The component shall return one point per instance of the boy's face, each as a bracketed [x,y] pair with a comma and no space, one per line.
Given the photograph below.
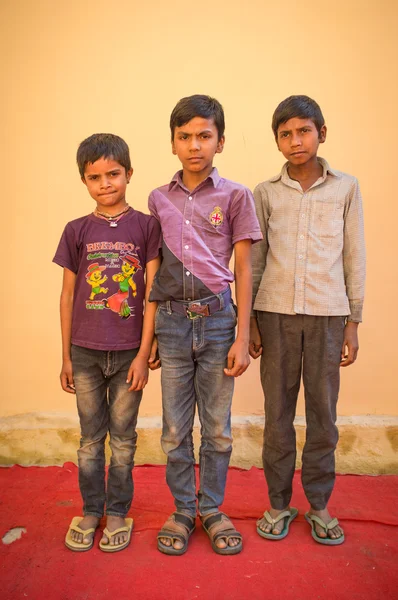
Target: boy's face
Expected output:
[195,143]
[298,140]
[106,181]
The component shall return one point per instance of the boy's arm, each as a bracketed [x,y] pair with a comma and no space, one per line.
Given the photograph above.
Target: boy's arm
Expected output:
[66,307]
[354,262]
[238,355]
[259,258]
[138,372]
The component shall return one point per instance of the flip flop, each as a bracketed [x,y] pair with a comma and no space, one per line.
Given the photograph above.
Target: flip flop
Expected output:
[116,548]
[75,546]
[328,541]
[287,515]
[218,526]
[178,527]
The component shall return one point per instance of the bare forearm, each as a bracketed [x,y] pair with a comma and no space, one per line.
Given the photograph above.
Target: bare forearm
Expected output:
[148,329]
[66,307]
[243,287]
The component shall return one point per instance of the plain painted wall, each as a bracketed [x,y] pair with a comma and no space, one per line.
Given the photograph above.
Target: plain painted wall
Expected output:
[76,68]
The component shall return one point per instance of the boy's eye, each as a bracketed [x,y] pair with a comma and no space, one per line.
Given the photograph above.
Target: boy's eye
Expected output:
[284,134]
[182,137]
[93,177]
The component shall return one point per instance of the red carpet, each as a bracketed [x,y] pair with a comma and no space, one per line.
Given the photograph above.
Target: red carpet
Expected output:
[44,500]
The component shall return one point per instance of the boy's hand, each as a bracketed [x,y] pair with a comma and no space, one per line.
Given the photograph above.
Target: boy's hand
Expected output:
[154,360]
[255,344]
[66,377]
[350,347]
[138,374]
[238,359]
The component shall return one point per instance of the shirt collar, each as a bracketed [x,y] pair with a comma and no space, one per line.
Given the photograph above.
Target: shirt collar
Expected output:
[214,177]
[284,175]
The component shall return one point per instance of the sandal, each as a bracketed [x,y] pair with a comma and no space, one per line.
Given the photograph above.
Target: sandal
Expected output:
[328,541]
[178,527]
[76,546]
[287,515]
[218,526]
[109,534]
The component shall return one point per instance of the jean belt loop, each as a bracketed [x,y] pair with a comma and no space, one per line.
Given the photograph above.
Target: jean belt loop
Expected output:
[221,299]
[168,307]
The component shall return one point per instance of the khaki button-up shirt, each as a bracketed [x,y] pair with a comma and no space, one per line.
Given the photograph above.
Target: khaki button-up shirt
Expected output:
[312,258]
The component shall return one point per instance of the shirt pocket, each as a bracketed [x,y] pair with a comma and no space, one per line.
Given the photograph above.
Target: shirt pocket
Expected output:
[327,217]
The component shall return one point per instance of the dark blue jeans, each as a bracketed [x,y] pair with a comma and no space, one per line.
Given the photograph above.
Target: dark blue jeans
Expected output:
[193,355]
[105,405]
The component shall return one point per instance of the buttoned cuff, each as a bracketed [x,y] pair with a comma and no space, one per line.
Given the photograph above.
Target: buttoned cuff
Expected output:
[356,307]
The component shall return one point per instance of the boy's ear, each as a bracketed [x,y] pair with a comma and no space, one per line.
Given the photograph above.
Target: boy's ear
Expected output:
[83,180]
[129,174]
[322,134]
[173,148]
[220,145]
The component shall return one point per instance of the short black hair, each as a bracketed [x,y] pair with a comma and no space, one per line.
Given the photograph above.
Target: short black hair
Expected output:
[102,145]
[198,105]
[300,107]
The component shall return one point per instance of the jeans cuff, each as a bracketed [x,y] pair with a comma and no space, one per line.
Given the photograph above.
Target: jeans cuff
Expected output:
[209,511]
[93,514]
[112,513]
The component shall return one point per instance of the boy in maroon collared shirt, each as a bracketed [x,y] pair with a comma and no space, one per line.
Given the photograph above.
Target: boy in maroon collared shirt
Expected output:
[203,218]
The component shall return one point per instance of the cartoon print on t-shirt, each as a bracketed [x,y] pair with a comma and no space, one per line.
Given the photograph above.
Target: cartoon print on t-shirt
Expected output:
[95,279]
[118,302]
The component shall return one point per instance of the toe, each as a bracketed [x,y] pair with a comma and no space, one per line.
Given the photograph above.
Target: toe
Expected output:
[178,545]
[104,540]
[165,541]
[221,543]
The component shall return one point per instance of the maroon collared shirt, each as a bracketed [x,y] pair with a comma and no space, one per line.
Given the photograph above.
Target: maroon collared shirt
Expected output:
[199,230]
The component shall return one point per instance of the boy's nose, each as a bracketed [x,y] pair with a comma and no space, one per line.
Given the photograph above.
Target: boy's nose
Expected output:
[296,140]
[104,182]
[194,145]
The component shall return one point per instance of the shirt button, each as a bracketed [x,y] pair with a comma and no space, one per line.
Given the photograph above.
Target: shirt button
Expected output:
[303,216]
[301,237]
[189,299]
[300,256]
[189,197]
[187,222]
[186,247]
[187,273]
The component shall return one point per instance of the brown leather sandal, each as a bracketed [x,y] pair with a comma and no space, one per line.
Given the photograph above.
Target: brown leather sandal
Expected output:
[178,526]
[218,526]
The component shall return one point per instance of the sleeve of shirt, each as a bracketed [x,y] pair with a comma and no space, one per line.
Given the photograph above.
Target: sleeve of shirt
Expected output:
[152,206]
[67,254]
[244,222]
[154,239]
[260,250]
[354,255]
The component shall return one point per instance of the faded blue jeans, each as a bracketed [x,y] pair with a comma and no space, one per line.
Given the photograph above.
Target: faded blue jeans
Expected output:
[105,405]
[193,354]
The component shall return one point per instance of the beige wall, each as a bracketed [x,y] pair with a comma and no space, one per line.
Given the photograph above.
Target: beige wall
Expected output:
[72,69]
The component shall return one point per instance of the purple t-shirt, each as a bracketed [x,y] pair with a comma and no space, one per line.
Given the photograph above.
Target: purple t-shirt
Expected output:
[200,229]
[109,263]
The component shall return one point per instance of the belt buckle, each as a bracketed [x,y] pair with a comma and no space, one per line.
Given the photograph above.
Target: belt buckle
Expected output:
[195,310]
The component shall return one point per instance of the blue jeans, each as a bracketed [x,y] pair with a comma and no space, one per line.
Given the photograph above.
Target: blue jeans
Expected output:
[193,355]
[105,405]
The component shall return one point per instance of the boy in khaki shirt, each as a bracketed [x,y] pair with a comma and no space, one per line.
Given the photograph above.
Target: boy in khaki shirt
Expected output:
[308,290]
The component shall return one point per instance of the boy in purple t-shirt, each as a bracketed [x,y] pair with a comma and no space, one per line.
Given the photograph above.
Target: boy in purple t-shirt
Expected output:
[106,338]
